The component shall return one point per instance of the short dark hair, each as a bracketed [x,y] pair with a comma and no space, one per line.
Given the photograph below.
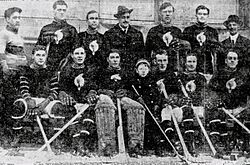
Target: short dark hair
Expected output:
[114,51]
[165,5]
[161,52]
[190,54]
[39,47]
[202,7]
[91,12]
[59,2]
[10,11]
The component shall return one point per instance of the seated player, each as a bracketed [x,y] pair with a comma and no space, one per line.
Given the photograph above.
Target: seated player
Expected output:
[76,85]
[231,86]
[146,86]
[111,81]
[38,90]
[195,85]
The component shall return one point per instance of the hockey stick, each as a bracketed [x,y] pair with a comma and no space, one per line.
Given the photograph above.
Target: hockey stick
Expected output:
[236,120]
[158,125]
[199,122]
[85,106]
[185,150]
[121,145]
[43,133]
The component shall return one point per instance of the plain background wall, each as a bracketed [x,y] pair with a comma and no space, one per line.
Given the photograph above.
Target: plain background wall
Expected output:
[37,13]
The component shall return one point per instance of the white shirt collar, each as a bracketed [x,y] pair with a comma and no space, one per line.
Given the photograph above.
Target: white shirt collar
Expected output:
[234,37]
[124,29]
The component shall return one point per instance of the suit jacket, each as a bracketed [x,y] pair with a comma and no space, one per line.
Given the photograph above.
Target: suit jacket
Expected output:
[241,47]
[130,44]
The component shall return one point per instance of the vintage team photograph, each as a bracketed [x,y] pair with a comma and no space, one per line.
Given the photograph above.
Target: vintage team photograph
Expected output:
[125,82]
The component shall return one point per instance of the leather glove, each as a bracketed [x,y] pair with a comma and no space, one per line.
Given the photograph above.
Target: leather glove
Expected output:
[48,37]
[175,44]
[186,101]
[121,93]
[31,111]
[66,99]
[31,103]
[107,92]
[40,107]
[92,97]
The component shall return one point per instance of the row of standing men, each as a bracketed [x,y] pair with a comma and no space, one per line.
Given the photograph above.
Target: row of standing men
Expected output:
[61,39]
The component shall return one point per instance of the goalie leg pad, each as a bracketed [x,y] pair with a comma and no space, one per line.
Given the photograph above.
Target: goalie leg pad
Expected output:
[135,114]
[105,123]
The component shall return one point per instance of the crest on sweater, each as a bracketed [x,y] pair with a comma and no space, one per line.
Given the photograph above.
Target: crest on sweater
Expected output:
[93,46]
[190,86]
[167,38]
[231,84]
[79,81]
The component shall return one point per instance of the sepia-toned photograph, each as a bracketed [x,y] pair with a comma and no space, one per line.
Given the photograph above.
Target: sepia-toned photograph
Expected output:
[125,82]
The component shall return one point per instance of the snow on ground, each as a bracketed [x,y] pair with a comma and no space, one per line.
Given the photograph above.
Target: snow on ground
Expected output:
[33,157]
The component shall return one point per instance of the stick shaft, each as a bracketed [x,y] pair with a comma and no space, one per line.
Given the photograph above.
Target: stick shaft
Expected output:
[43,133]
[185,150]
[236,120]
[199,122]
[177,128]
[206,135]
[121,144]
[158,125]
[65,126]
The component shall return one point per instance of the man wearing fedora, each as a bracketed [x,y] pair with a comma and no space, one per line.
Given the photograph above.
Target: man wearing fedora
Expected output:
[235,41]
[125,38]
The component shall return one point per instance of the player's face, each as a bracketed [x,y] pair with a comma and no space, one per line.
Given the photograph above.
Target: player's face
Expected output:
[93,20]
[14,20]
[233,28]
[79,55]
[124,20]
[162,61]
[142,70]
[167,14]
[191,63]
[40,57]
[202,16]
[60,12]
[114,60]
[232,60]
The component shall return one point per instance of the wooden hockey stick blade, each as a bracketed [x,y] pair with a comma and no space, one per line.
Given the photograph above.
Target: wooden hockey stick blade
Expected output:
[206,135]
[236,120]
[85,106]
[43,133]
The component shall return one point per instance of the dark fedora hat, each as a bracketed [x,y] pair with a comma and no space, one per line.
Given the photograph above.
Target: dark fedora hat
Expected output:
[122,10]
[233,18]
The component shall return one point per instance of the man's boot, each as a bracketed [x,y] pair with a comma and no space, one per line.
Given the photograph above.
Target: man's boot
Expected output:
[163,146]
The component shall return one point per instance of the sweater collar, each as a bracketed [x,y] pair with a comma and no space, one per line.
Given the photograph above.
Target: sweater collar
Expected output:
[77,66]
[12,29]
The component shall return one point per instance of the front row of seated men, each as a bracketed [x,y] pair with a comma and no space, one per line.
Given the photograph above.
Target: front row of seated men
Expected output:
[95,131]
